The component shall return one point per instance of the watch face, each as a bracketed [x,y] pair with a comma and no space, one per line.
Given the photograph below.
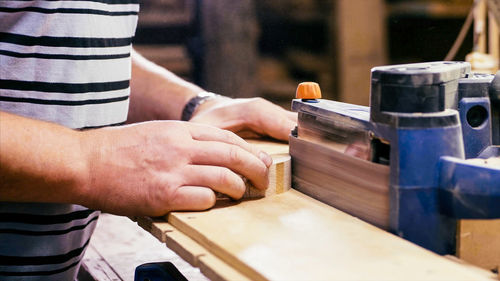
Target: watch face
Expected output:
[206,95]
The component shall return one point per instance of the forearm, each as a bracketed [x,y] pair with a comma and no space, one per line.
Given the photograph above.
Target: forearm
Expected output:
[40,161]
[156,93]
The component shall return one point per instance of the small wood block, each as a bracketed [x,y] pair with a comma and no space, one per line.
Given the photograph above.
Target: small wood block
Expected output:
[280,172]
[478,242]
[279,178]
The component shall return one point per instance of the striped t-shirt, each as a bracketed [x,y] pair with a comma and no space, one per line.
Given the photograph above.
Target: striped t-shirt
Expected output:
[66,62]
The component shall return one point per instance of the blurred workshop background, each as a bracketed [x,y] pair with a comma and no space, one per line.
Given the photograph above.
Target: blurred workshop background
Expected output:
[249,48]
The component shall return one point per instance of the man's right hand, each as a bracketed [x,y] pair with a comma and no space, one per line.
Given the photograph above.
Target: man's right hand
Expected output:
[156,167]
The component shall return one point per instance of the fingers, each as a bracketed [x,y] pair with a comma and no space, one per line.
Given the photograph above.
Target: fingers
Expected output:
[293,116]
[286,122]
[287,126]
[233,157]
[208,133]
[259,115]
[279,127]
[220,179]
[192,198]
[272,120]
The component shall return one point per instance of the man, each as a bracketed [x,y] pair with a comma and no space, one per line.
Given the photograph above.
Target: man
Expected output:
[67,70]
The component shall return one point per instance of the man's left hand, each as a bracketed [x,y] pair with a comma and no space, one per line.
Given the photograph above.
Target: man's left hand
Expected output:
[252,117]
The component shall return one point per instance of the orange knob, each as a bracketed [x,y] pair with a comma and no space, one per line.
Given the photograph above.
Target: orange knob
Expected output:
[308,91]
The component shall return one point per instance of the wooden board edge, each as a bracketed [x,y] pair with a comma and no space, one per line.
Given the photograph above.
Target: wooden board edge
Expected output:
[217,270]
[185,247]
[189,250]
[472,267]
[198,256]
[251,273]
[156,227]
[215,250]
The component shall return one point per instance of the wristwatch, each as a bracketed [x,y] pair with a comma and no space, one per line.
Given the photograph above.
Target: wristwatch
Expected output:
[192,104]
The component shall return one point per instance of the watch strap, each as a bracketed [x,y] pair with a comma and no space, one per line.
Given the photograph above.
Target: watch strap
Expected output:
[193,103]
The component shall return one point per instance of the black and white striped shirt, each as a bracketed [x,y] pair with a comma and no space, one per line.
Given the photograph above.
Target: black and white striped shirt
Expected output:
[66,62]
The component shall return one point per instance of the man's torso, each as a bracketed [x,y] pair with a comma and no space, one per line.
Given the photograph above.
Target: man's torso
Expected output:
[66,62]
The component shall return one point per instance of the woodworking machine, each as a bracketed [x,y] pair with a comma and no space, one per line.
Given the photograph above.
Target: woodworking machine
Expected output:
[422,156]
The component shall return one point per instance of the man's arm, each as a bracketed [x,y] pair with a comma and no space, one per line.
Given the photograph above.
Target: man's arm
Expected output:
[144,169]
[157,94]
[40,161]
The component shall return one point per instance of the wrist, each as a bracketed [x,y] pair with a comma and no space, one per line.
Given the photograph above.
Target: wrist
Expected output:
[87,191]
[193,105]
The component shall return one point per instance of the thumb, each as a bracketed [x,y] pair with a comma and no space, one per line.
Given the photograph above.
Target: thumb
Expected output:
[281,130]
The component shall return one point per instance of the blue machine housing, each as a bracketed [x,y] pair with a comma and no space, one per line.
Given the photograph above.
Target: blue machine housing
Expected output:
[434,116]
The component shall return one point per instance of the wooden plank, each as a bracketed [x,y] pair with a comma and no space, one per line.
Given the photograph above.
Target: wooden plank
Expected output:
[292,236]
[185,247]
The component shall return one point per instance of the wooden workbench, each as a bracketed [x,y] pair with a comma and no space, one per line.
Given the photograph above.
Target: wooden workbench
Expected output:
[290,236]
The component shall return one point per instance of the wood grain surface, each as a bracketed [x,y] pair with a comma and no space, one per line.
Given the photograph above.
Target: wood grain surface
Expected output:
[291,236]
